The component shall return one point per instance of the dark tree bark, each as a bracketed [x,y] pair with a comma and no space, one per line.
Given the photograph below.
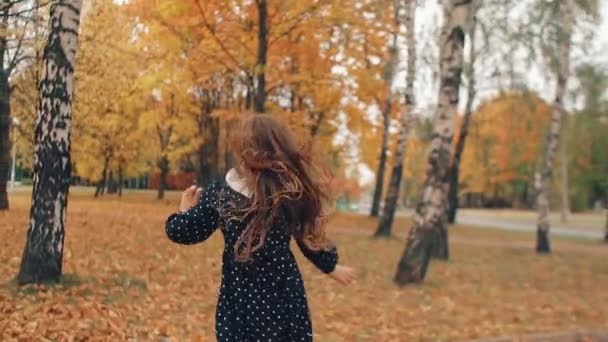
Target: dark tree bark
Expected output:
[43,252]
[430,210]
[102,184]
[112,185]
[120,179]
[386,113]
[5,112]
[454,172]
[163,166]
[394,186]
[209,129]
[260,68]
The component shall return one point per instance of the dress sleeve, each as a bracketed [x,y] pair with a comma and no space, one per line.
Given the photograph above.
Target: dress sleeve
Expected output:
[325,260]
[197,223]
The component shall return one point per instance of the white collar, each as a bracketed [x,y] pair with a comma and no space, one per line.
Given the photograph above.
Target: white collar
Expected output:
[237,183]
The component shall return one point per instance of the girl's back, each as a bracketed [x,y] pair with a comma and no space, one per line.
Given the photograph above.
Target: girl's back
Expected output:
[262,294]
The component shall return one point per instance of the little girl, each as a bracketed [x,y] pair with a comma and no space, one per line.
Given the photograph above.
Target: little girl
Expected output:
[268,199]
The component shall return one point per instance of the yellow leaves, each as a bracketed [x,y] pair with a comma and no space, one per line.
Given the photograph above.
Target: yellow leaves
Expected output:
[504,142]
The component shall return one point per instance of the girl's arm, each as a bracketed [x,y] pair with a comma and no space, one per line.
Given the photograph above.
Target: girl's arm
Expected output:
[324,260]
[197,219]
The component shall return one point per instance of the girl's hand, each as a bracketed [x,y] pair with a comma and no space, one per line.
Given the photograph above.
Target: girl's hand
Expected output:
[190,198]
[343,274]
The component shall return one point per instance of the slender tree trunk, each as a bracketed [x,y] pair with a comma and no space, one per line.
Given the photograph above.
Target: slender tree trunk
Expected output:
[565,212]
[389,75]
[102,184]
[390,202]
[543,179]
[112,186]
[454,172]
[5,111]
[163,165]
[386,114]
[260,94]
[43,252]
[430,210]
[120,180]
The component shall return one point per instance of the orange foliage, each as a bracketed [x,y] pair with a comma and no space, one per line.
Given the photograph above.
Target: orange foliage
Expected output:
[504,142]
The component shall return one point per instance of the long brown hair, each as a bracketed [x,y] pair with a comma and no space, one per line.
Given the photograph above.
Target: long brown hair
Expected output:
[279,175]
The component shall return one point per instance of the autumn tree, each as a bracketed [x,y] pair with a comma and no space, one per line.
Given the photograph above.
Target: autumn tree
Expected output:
[18,39]
[415,259]
[43,252]
[394,186]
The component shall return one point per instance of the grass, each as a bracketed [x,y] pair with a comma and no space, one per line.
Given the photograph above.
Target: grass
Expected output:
[125,280]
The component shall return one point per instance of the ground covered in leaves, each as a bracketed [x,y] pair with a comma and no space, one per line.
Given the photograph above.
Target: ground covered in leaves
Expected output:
[126,281]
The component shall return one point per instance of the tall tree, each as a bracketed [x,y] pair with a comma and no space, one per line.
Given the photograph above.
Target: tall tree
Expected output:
[260,68]
[431,208]
[390,69]
[394,186]
[463,132]
[17,45]
[43,252]
[543,177]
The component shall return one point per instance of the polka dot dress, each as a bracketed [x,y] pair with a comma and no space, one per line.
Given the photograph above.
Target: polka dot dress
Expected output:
[263,300]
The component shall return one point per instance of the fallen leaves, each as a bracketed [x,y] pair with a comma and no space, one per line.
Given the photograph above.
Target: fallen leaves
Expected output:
[126,281]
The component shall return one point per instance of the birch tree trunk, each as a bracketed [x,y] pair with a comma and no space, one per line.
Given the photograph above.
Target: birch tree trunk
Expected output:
[260,92]
[390,201]
[454,172]
[43,252]
[543,179]
[389,75]
[430,210]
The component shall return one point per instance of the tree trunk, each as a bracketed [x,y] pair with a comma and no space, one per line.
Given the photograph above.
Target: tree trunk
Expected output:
[430,210]
[112,186]
[5,114]
[382,161]
[163,165]
[565,212]
[102,184]
[120,180]
[454,172]
[543,179]
[390,202]
[606,223]
[43,252]
[260,68]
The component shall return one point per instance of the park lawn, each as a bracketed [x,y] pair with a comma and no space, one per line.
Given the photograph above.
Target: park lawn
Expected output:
[127,281]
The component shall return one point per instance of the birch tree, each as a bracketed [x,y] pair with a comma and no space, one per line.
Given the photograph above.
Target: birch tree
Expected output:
[43,252]
[390,202]
[18,39]
[390,70]
[466,119]
[414,262]
[564,29]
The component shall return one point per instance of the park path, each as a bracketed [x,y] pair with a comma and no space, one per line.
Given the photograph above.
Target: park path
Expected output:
[568,246]
[585,226]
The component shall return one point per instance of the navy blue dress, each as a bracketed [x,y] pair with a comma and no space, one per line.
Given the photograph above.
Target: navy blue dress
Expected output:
[262,300]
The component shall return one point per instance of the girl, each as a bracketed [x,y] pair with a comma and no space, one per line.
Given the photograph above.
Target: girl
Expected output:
[268,199]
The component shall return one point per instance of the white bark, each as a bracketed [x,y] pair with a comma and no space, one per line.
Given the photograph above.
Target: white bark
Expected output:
[429,212]
[42,257]
[544,177]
